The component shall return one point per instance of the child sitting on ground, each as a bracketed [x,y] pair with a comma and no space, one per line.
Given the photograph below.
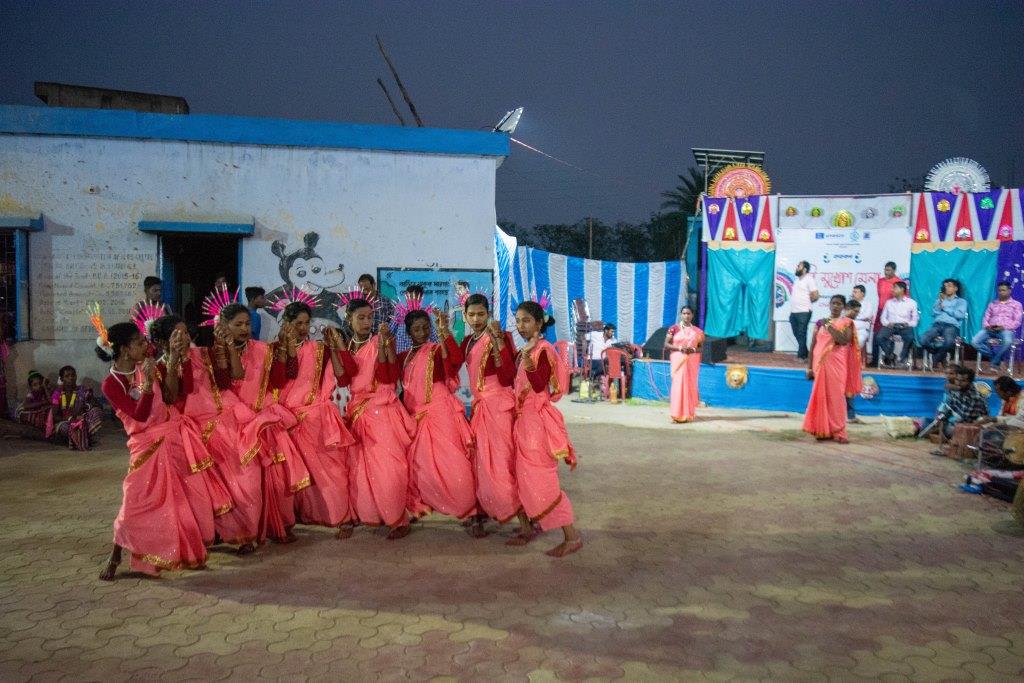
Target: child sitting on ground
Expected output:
[34,410]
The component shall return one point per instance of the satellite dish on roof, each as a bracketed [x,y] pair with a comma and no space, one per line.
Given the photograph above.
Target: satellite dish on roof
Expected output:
[509,121]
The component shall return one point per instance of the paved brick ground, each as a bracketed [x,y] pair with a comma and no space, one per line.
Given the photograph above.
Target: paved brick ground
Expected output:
[732,548]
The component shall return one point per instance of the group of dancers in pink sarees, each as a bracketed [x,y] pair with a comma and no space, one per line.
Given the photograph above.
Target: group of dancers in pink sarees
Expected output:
[835,367]
[240,442]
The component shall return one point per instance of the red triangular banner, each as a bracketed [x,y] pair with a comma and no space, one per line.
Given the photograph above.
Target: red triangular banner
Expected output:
[764,230]
[1005,231]
[922,233]
[963,231]
[730,230]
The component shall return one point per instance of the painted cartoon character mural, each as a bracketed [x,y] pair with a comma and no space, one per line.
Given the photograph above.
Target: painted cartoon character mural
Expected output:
[307,270]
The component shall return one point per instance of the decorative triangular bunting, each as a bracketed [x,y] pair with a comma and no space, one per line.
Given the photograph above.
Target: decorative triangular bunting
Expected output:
[922,231]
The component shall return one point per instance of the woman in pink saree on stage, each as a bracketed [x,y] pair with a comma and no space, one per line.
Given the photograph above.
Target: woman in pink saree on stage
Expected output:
[441,466]
[684,341]
[835,369]
[541,440]
[216,413]
[256,380]
[490,361]
[156,523]
[379,466]
[313,370]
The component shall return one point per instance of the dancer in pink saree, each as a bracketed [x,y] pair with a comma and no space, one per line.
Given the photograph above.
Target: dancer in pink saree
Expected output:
[256,380]
[379,466]
[156,522]
[540,436]
[441,466]
[684,341]
[217,414]
[490,360]
[313,369]
[835,369]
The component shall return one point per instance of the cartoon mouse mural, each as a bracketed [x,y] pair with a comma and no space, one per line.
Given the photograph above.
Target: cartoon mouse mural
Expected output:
[307,270]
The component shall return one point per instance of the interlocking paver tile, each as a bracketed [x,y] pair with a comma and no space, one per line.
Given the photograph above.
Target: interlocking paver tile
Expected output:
[867,558]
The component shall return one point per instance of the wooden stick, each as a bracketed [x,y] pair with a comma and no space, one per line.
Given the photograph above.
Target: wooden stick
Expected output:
[401,88]
[390,101]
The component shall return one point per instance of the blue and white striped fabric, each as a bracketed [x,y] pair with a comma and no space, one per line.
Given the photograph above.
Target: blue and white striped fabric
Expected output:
[638,297]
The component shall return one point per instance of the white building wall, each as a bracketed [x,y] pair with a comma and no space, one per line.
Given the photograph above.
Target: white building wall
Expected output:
[369,209]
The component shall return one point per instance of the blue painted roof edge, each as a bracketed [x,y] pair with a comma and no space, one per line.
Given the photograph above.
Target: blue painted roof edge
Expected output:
[116,123]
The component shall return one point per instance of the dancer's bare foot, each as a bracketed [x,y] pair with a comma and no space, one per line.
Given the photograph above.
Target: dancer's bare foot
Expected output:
[842,440]
[398,532]
[344,531]
[108,572]
[477,530]
[565,548]
[246,549]
[521,538]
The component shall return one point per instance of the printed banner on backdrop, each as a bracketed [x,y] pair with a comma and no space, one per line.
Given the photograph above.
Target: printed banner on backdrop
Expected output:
[863,213]
[840,258]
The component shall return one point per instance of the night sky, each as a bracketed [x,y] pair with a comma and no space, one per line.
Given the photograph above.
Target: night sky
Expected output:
[843,97]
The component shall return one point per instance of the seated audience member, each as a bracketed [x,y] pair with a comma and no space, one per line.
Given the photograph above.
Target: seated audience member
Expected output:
[598,342]
[1009,421]
[34,410]
[865,320]
[75,416]
[1002,318]
[964,405]
[950,310]
[899,317]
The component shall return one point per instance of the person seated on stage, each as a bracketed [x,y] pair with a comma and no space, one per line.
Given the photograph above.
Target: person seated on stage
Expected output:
[598,342]
[1002,318]
[950,310]
[885,284]
[899,317]
[1009,422]
[865,320]
[963,405]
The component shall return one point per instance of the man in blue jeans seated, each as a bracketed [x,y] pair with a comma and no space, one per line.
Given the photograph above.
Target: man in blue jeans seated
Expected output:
[1002,318]
[950,310]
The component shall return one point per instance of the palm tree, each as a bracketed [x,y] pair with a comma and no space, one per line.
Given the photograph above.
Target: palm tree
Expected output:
[682,202]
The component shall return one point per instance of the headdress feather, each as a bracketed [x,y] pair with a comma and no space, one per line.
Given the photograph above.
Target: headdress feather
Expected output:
[144,314]
[215,302]
[293,295]
[96,318]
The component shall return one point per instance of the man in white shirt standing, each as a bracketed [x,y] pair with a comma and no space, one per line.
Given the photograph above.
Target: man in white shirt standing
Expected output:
[899,317]
[598,342]
[805,293]
[865,320]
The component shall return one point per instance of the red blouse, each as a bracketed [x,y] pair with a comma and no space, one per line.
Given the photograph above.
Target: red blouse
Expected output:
[443,369]
[113,389]
[507,372]
[540,375]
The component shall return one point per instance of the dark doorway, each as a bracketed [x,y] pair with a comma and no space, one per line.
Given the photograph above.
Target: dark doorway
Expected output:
[191,264]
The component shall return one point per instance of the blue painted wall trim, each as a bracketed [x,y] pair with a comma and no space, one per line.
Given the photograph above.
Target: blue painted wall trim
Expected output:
[21,223]
[114,123]
[916,395]
[241,229]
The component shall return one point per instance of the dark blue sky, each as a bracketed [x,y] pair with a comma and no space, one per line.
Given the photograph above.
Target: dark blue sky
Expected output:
[843,97]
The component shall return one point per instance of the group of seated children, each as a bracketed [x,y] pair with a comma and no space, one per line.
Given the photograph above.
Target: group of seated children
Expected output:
[68,414]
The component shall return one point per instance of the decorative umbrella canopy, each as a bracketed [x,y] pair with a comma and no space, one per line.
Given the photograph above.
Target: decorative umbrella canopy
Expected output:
[957,175]
[740,180]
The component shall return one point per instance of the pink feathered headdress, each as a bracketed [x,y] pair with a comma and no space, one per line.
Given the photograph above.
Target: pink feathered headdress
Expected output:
[352,295]
[294,295]
[215,302]
[413,302]
[144,314]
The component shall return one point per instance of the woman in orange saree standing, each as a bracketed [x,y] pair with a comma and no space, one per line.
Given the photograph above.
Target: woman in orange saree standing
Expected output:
[313,369]
[684,341]
[441,467]
[541,440]
[156,522]
[256,380]
[835,369]
[490,361]
[379,463]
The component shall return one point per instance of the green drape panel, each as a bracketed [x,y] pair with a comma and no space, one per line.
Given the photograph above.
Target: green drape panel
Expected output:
[739,292]
[976,271]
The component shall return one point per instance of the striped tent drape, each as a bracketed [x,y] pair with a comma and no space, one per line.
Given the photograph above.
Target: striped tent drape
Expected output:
[638,298]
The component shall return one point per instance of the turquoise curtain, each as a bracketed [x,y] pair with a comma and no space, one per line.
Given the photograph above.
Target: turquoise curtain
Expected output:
[976,271]
[739,293]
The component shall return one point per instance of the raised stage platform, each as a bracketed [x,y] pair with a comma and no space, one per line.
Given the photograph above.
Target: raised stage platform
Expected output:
[777,381]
